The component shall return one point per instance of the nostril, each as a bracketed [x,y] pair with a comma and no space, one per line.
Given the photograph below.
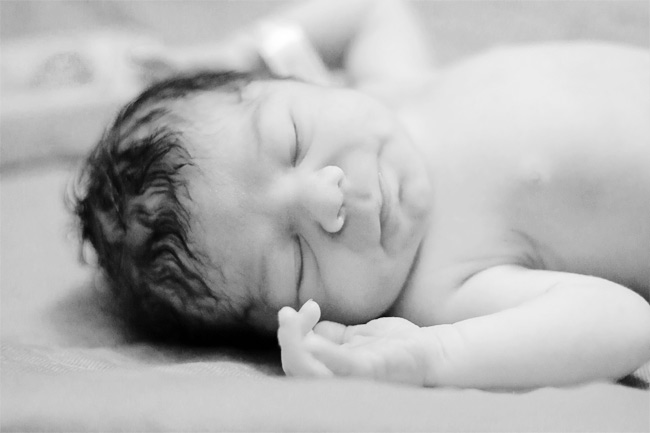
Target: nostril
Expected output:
[340,181]
[335,225]
[341,215]
[326,200]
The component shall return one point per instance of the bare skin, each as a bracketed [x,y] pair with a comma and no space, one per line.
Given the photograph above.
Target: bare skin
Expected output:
[551,172]
[531,262]
[537,250]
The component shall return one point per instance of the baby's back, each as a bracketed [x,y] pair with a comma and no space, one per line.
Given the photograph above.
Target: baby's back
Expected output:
[541,157]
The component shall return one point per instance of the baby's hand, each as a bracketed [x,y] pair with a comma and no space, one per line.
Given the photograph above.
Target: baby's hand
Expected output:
[390,349]
[296,327]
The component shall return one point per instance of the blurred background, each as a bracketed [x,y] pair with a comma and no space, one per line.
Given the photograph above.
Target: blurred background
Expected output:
[64,74]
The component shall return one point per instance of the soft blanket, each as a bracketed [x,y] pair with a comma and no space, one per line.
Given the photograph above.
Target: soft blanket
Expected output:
[68,366]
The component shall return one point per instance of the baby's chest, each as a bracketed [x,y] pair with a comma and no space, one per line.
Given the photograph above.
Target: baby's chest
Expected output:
[542,218]
[546,171]
[579,208]
[548,175]
[587,213]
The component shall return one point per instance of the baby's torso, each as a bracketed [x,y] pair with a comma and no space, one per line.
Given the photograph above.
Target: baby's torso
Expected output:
[540,157]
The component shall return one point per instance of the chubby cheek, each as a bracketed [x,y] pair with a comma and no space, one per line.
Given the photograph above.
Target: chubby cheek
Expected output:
[353,297]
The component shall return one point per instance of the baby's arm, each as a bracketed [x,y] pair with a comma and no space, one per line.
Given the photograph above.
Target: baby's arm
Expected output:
[376,42]
[574,329]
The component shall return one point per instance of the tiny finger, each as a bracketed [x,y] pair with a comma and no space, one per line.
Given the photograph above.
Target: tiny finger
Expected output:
[338,359]
[310,314]
[335,332]
[289,332]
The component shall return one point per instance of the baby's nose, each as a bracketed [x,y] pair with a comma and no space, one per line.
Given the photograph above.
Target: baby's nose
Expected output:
[324,198]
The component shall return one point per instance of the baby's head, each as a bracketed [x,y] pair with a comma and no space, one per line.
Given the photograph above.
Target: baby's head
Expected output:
[215,199]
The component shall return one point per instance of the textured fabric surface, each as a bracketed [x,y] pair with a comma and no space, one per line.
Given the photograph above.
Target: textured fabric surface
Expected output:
[56,360]
[67,367]
[226,363]
[155,400]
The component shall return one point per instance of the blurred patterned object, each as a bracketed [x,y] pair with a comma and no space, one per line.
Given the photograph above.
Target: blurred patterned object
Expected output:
[58,92]
[40,72]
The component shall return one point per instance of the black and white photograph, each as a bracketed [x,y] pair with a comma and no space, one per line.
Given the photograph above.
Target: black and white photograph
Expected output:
[325,215]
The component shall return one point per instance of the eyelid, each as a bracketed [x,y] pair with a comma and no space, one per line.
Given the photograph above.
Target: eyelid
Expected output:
[296,148]
[301,264]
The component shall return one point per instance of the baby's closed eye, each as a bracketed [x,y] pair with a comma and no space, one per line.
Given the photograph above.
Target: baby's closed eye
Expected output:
[299,262]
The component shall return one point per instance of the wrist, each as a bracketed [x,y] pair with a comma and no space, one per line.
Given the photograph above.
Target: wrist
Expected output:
[287,52]
[436,354]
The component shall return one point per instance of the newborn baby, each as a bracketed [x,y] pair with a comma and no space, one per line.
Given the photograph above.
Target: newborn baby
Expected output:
[486,225]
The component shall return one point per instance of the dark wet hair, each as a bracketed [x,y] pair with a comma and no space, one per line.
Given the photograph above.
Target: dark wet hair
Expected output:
[129,202]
